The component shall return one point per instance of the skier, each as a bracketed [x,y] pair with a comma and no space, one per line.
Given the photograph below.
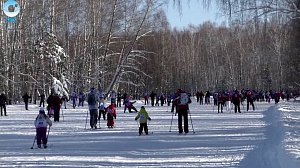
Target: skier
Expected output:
[54,102]
[201,97]
[41,123]
[80,99]
[250,100]
[143,116]
[130,106]
[3,101]
[74,98]
[220,101]
[113,96]
[152,96]
[111,115]
[26,98]
[102,110]
[236,100]
[119,97]
[180,103]
[93,107]
[42,96]
[64,100]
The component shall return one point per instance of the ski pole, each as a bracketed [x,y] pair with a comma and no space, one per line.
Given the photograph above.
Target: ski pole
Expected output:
[87,113]
[171,122]
[62,113]
[33,142]
[48,134]
[191,121]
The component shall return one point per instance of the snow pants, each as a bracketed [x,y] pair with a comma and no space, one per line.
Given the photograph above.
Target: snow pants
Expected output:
[250,102]
[183,114]
[56,113]
[143,126]
[93,117]
[41,136]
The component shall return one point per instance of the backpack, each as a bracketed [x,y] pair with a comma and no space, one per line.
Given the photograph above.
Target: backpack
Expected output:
[40,122]
[183,99]
[92,99]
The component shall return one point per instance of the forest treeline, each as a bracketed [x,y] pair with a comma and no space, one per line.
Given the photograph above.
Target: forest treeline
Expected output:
[128,45]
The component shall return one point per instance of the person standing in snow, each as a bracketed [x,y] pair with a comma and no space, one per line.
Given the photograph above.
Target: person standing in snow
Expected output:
[80,99]
[102,110]
[26,98]
[113,96]
[236,100]
[181,105]
[74,98]
[143,117]
[3,101]
[250,99]
[54,102]
[111,115]
[41,123]
[119,98]
[93,107]
[42,96]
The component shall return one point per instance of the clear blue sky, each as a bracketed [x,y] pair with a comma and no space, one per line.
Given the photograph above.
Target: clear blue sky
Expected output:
[192,13]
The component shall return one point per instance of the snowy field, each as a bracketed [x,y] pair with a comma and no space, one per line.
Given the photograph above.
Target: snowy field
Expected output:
[266,138]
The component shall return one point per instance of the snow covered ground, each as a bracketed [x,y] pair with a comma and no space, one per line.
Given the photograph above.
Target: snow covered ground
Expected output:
[267,138]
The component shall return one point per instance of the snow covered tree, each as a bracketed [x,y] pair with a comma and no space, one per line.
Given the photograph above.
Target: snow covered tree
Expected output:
[53,59]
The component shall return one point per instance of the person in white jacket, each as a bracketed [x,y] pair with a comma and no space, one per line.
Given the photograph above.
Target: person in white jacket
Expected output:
[41,123]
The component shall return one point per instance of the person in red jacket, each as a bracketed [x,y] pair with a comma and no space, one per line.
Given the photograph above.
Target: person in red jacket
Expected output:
[111,115]
[181,104]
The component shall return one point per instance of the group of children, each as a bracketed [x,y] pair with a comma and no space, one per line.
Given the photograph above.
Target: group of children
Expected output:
[42,122]
[110,112]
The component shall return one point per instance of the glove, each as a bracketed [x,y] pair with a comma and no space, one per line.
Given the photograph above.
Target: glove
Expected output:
[149,119]
[135,119]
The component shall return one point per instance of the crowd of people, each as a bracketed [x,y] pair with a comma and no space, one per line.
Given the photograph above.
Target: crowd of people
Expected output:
[179,101]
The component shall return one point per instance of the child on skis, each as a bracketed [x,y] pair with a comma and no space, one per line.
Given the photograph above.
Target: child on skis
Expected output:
[102,111]
[111,115]
[41,123]
[143,116]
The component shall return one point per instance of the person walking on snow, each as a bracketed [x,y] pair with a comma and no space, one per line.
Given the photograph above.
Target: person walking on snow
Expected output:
[181,105]
[41,123]
[143,117]
[93,107]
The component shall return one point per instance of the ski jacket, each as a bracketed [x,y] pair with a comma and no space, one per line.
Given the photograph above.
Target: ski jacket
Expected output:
[3,99]
[178,105]
[143,116]
[93,106]
[111,110]
[42,121]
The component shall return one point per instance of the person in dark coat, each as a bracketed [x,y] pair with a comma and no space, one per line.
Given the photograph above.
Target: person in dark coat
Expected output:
[42,96]
[181,105]
[3,101]
[54,102]
[26,98]
[250,99]
[152,96]
[236,100]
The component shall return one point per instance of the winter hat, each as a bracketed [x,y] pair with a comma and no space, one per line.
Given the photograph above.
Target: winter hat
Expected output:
[142,107]
[42,111]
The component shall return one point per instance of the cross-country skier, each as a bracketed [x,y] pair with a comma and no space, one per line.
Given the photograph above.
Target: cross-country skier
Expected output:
[41,123]
[93,107]
[111,115]
[181,104]
[143,117]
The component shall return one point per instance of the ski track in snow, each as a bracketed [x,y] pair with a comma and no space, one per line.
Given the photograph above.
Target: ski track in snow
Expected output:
[267,137]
